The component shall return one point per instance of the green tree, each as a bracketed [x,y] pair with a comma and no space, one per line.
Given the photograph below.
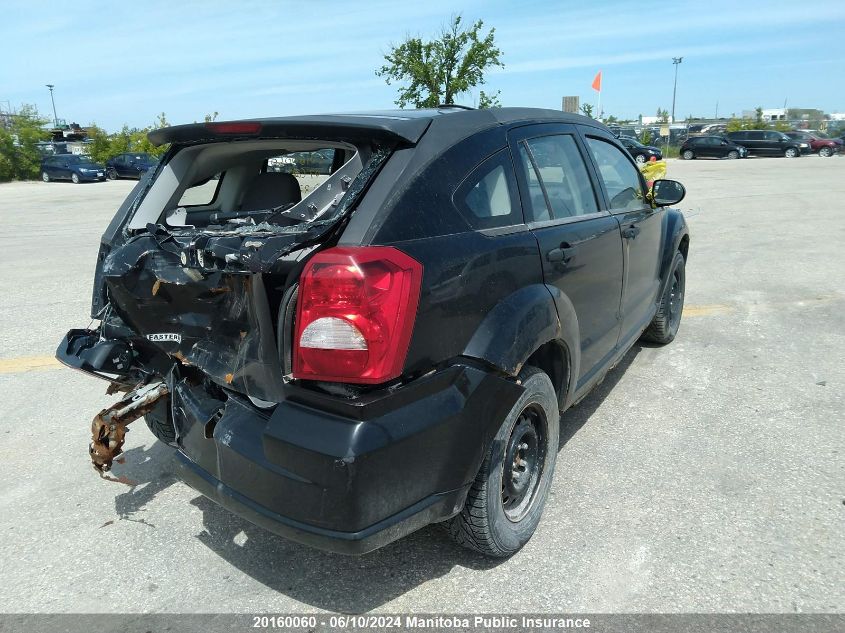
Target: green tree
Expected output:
[489,100]
[20,158]
[662,115]
[438,70]
[587,109]
[99,149]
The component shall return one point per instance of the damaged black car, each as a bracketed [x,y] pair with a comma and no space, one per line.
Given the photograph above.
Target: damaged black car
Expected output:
[352,326]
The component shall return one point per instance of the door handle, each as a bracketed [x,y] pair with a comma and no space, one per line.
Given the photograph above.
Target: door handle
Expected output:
[564,254]
[631,232]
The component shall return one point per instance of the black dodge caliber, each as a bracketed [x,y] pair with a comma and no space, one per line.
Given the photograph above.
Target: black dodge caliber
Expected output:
[347,353]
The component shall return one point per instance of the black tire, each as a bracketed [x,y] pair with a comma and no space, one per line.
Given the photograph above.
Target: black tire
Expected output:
[688,154]
[111,174]
[792,152]
[74,178]
[733,154]
[160,422]
[664,326]
[45,177]
[826,152]
[498,519]
[641,159]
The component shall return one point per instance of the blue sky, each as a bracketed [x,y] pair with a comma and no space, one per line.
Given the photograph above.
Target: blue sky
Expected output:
[124,62]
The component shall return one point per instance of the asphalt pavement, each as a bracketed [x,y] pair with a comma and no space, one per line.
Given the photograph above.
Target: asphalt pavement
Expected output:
[706,476]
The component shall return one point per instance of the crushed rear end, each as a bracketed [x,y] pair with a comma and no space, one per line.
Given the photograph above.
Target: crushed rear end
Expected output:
[195,292]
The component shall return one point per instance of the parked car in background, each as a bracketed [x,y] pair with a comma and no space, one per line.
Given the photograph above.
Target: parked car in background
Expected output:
[819,144]
[711,147]
[769,143]
[394,348]
[130,165]
[639,152]
[71,167]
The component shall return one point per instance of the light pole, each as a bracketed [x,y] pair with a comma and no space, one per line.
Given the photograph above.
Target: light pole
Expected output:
[677,62]
[53,101]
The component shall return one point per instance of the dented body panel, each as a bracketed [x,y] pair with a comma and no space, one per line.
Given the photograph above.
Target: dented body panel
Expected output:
[197,304]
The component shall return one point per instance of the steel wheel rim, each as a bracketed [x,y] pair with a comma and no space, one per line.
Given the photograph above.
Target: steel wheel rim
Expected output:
[523,462]
[676,300]
[688,155]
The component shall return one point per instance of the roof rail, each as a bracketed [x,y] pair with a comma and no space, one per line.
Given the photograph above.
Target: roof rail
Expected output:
[454,105]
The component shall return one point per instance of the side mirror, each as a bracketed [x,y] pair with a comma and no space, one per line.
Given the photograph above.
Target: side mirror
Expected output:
[667,192]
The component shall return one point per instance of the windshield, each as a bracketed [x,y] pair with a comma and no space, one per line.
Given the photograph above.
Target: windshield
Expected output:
[632,142]
[79,160]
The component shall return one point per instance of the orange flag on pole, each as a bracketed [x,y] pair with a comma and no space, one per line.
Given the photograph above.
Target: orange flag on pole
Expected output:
[597,82]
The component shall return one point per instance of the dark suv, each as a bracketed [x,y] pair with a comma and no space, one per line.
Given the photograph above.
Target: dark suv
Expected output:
[769,143]
[393,345]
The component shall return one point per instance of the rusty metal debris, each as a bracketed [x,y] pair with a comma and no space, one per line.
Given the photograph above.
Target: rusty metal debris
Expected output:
[108,430]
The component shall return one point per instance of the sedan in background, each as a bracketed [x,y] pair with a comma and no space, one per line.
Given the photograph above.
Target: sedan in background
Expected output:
[71,167]
[640,153]
[130,165]
[819,144]
[711,147]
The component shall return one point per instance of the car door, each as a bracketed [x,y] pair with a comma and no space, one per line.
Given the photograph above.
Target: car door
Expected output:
[580,246]
[624,193]
[63,168]
[120,165]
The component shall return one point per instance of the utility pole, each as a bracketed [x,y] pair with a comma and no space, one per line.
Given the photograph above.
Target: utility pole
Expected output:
[677,62]
[53,101]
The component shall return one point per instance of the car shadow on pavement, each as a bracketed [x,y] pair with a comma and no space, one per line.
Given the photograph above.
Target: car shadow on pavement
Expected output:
[577,416]
[146,470]
[355,585]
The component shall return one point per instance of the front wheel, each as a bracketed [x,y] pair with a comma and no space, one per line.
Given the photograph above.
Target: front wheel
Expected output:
[664,326]
[826,152]
[111,174]
[506,500]
[791,152]
[641,159]
[74,178]
[733,154]
[688,154]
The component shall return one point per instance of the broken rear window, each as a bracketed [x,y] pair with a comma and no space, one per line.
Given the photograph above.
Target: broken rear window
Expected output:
[270,183]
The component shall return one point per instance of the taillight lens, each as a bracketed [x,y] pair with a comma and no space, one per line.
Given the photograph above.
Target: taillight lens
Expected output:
[355,314]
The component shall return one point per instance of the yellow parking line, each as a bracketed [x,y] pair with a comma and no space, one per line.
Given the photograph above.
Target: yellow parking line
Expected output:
[27,363]
[694,311]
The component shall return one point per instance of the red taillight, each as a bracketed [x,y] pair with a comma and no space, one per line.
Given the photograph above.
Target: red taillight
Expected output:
[235,127]
[355,314]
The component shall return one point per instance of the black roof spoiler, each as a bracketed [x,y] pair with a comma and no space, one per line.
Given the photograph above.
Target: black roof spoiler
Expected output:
[354,128]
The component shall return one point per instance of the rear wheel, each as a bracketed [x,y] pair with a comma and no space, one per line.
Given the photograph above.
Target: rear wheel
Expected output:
[74,178]
[733,154]
[688,154]
[791,152]
[664,326]
[112,174]
[45,177]
[506,500]
[827,152]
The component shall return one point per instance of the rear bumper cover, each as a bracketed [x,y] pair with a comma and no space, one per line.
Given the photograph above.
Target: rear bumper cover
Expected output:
[345,475]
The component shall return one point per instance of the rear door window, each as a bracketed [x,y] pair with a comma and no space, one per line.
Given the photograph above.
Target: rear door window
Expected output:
[621,178]
[487,198]
[558,183]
